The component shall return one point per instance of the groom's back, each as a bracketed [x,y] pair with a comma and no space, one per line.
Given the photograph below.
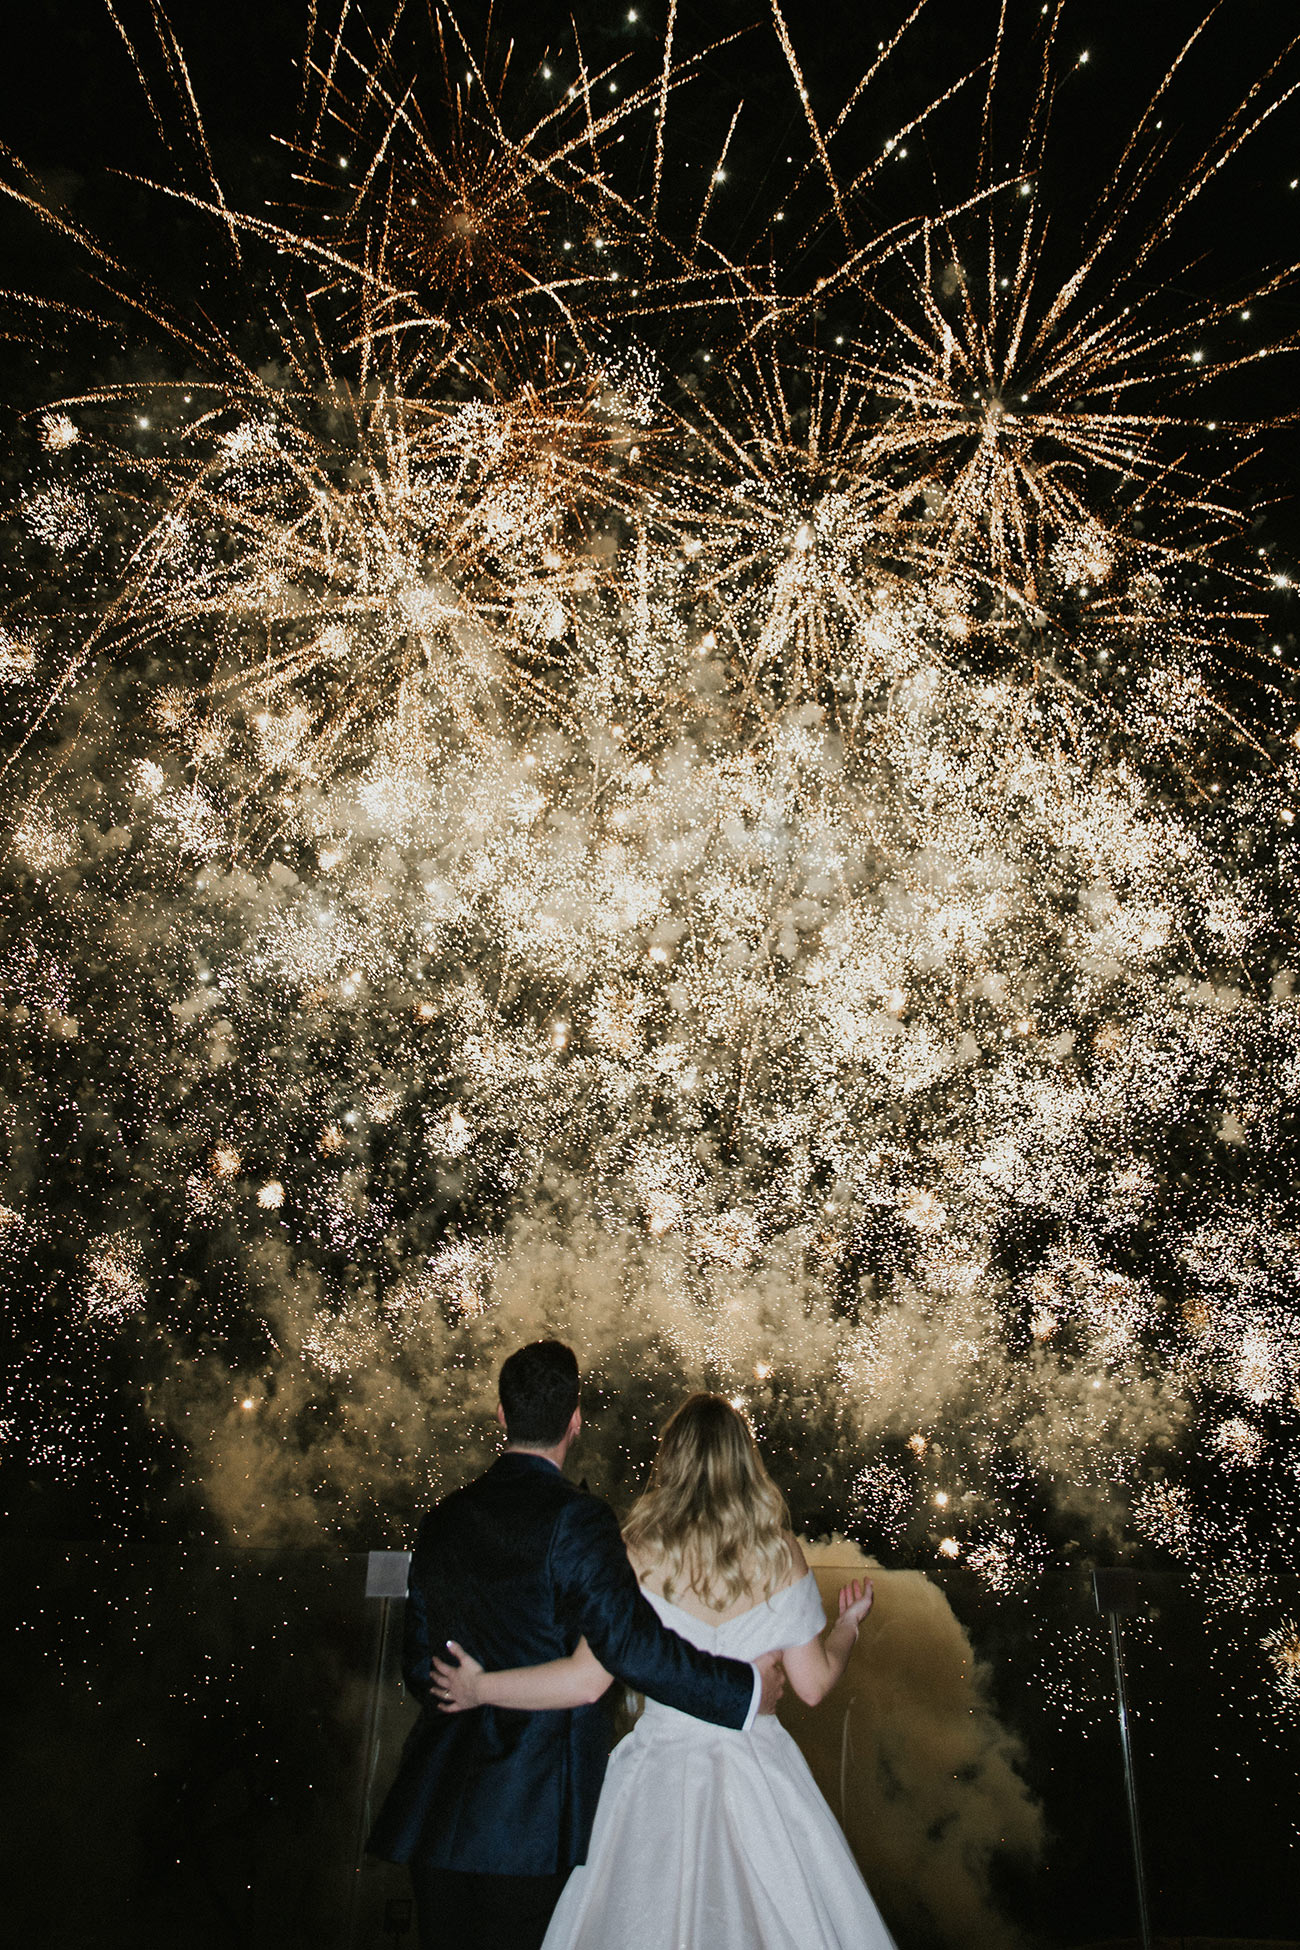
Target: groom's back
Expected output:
[480,1567]
[495,1791]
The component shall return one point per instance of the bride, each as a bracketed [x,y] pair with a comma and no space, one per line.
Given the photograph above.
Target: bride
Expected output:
[707,1839]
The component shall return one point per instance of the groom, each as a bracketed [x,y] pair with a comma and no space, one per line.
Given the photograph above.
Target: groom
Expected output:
[491,1809]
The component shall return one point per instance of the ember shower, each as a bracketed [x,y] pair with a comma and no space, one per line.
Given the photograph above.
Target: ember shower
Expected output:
[726,793]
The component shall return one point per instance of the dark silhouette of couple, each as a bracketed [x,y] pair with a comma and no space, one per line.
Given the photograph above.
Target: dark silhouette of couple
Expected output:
[705,1830]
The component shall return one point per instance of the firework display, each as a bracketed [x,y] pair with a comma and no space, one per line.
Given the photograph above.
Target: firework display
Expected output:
[725,788]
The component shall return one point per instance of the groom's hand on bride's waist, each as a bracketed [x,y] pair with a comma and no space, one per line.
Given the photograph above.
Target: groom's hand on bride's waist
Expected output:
[772,1674]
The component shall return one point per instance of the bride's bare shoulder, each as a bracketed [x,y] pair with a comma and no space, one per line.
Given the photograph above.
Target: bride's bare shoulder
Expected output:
[798,1562]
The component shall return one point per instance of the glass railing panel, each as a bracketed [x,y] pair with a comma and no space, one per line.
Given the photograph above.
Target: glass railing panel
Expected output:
[196,1741]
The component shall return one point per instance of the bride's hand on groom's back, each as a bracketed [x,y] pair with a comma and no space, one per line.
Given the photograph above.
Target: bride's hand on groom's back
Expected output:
[455,1685]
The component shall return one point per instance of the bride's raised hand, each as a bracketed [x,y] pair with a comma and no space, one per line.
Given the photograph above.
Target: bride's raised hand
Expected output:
[455,1687]
[855,1601]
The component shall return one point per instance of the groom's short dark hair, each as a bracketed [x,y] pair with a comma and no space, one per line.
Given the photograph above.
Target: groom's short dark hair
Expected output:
[539,1392]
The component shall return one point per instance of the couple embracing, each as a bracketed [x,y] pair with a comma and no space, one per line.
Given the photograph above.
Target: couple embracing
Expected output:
[706,1830]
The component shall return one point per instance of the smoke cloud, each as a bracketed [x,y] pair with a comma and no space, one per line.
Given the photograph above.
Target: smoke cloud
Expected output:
[912,1757]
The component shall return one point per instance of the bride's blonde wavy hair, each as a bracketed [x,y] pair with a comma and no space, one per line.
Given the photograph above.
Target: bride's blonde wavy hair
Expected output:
[711,1516]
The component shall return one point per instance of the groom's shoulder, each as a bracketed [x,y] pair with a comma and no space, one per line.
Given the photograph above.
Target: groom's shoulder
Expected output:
[581,1514]
[512,1484]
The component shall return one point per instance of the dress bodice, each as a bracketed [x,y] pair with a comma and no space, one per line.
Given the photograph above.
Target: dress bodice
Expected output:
[791,1617]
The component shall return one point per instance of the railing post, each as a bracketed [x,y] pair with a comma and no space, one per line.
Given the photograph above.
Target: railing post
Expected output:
[386,1573]
[1116,1595]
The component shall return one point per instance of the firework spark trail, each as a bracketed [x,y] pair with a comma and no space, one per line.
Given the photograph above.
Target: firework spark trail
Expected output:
[540,830]
[661,113]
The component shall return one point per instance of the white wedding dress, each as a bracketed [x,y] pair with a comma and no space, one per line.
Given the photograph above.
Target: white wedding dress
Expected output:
[709,1839]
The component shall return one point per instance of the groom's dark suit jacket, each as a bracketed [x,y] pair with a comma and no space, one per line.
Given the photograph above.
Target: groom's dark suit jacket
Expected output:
[517,1567]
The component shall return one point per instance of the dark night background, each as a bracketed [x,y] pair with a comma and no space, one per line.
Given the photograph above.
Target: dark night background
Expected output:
[196,1735]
